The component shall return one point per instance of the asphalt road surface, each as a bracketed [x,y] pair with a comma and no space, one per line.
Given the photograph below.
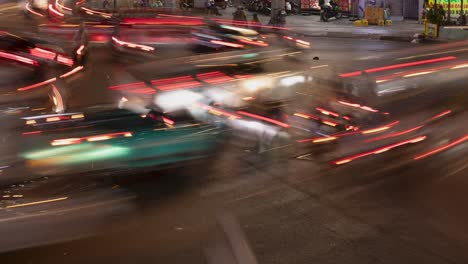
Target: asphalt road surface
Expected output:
[242,208]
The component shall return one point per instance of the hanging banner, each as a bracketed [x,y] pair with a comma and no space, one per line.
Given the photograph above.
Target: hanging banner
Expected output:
[455,6]
[344,5]
[310,4]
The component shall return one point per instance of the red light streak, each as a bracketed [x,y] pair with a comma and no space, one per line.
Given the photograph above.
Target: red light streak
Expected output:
[54,11]
[227,44]
[244,23]
[329,123]
[75,70]
[46,54]
[214,77]
[144,91]
[31,133]
[396,134]
[441,114]
[37,85]
[380,129]
[79,51]
[182,82]
[379,150]
[327,112]
[164,21]
[65,60]
[398,66]
[442,148]
[276,122]
[168,121]
[62,6]
[127,86]
[253,42]
[306,116]
[28,7]
[18,58]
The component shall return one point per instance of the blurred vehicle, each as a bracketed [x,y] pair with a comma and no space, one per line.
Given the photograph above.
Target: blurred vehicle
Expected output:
[34,71]
[109,140]
[330,10]
[220,36]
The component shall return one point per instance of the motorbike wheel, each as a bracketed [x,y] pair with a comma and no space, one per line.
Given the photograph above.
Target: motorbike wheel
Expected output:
[324,15]
[339,15]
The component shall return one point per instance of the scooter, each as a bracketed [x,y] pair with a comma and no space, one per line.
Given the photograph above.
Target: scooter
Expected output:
[329,11]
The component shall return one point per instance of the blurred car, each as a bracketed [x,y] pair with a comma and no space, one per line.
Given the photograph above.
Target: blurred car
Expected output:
[33,71]
[112,140]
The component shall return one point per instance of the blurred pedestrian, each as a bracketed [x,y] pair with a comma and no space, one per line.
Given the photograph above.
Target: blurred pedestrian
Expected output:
[240,14]
[255,22]
[288,8]
[105,4]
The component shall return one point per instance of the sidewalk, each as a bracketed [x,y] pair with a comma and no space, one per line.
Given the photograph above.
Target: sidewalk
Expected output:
[343,28]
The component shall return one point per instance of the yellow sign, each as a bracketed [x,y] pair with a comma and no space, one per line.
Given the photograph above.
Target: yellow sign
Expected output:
[455,5]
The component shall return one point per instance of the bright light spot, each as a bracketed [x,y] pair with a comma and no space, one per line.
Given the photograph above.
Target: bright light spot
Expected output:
[289,81]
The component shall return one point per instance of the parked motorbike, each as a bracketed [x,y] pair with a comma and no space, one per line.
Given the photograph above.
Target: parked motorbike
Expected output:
[329,11]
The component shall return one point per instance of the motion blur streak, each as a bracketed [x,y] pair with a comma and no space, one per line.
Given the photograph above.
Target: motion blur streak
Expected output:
[217,111]
[323,139]
[31,133]
[18,58]
[379,150]
[28,7]
[46,54]
[396,134]
[244,23]
[72,141]
[38,202]
[79,51]
[306,116]
[380,129]
[256,43]
[165,21]
[37,85]
[57,3]
[276,122]
[75,70]
[442,148]
[227,44]
[132,45]
[54,11]
[93,12]
[366,108]
[327,112]
[441,115]
[397,66]
[128,86]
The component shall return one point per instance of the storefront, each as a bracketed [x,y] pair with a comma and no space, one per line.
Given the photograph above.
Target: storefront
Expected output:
[455,6]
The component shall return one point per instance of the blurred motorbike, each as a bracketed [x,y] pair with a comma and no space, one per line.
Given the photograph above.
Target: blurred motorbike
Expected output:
[330,10]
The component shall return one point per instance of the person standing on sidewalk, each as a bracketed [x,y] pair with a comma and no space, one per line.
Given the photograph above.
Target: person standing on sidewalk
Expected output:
[240,15]
[288,7]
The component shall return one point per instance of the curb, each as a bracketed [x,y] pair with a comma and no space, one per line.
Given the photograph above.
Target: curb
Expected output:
[356,36]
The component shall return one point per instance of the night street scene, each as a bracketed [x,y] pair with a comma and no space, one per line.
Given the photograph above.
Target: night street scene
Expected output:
[233,131]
